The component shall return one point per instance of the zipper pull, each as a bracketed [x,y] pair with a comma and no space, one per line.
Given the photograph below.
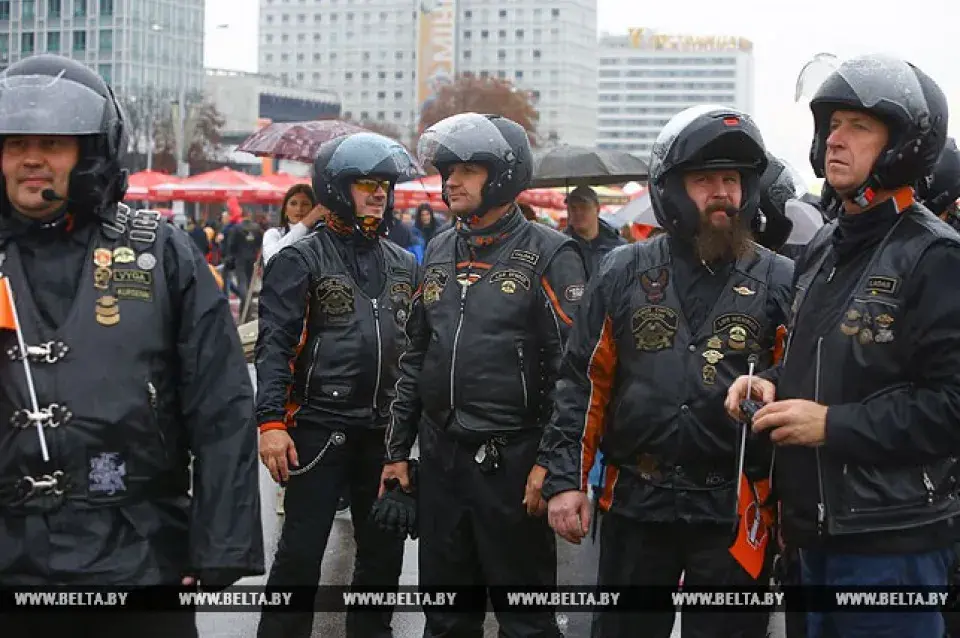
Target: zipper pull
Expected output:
[821,515]
[152,391]
[463,296]
[376,309]
[833,271]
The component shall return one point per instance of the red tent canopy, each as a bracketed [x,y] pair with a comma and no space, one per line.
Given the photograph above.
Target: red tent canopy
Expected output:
[218,186]
[139,184]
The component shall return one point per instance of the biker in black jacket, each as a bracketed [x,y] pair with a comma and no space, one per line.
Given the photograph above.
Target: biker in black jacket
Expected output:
[485,337]
[940,190]
[865,405]
[663,329]
[332,312]
[133,365]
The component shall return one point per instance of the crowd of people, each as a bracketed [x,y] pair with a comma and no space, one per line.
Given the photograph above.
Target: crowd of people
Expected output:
[736,401]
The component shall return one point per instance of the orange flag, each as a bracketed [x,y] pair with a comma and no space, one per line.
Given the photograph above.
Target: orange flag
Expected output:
[753,531]
[6,306]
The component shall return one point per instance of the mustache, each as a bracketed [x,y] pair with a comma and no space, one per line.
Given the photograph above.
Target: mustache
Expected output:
[729,209]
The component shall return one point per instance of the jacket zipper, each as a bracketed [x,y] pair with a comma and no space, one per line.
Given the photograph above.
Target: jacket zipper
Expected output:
[376,322]
[927,483]
[822,505]
[313,363]
[523,375]
[152,396]
[456,341]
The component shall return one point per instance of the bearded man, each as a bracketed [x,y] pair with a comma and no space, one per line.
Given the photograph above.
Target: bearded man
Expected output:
[663,329]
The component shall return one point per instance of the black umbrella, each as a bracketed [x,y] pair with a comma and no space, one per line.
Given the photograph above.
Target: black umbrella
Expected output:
[582,166]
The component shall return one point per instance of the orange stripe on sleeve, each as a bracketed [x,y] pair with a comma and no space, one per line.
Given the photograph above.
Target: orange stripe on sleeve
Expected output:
[556,302]
[600,371]
[292,406]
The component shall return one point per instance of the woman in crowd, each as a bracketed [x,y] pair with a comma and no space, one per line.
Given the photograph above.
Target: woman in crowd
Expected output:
[298,215]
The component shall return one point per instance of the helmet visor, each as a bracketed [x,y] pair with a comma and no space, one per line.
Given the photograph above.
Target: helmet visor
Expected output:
[880,81]
[45,105]
[372,154]
[467,137]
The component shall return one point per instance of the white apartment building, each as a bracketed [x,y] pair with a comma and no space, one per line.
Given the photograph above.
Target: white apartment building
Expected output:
[645,78]
[365,51]
[132,43]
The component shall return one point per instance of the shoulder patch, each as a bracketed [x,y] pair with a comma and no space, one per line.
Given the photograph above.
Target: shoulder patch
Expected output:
[525,256]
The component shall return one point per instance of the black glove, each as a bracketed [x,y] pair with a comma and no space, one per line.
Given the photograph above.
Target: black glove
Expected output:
[396,511]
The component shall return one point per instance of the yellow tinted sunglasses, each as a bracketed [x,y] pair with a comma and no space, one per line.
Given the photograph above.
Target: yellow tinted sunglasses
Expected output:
[370,186]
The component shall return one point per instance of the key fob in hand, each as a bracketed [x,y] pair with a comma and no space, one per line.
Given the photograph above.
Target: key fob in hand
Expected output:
[749,407]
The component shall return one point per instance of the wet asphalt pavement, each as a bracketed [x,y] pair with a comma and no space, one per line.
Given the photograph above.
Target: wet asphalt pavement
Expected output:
[576,565]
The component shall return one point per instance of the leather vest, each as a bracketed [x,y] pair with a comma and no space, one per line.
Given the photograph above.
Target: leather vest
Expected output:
[483,363]
[667,426]
[105,385]
[348,365]
[864,356]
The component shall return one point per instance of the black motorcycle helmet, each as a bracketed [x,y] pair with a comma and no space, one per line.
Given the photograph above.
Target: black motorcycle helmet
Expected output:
[779,184]
[344,159]
[904,98]
[940,190]
[698,138]
[52,95]
[497,143]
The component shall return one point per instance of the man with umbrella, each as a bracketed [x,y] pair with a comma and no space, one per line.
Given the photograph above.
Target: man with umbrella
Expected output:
[664,327]
[332,313]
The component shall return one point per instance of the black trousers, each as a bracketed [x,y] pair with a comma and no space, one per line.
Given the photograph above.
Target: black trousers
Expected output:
[99,625]
[311,505]
[634,553]
[474,531]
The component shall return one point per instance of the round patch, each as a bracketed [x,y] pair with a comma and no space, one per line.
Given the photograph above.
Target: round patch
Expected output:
[574,292]
[401,315]
[146,261]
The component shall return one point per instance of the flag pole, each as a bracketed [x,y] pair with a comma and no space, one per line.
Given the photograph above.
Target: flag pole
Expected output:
[26,368]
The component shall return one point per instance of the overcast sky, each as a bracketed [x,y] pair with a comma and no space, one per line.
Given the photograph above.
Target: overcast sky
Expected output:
[926,32]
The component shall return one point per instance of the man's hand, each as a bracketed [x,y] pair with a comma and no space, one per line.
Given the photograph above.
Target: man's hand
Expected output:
[760,390]
[532,496]
[569,515]
[793,422]
[399,470]
[317,214]
[278,453]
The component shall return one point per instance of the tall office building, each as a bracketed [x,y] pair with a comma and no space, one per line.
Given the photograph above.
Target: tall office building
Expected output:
[366,51]
[645,78]
[134,44]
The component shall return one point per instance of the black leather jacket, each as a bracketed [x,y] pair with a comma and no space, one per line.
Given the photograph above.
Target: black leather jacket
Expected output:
[341,343]
[875,336]
[647,388]
[482,358]
[145,369]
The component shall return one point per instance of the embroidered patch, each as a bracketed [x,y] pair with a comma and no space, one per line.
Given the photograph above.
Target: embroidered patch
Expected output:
[434,281]
[573,293]
[141,277]
[525,256]
[124,255]
[136,294]
[656,288]
[654,328]
[514,276]
[402,289]
[335,297]
[107,473]
[885,285]
[724,323]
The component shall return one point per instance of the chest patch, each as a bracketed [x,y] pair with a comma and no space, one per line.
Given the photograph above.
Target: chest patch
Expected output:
[510,281]
[654,328]
[335,297]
